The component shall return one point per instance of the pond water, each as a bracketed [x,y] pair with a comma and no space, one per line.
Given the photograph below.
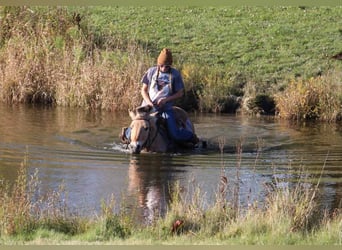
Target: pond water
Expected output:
[82,150]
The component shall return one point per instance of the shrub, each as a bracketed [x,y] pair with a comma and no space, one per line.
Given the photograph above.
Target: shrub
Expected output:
[112,225]
[313,99]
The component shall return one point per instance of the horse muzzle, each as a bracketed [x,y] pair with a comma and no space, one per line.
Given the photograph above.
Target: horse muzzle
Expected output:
[135,148]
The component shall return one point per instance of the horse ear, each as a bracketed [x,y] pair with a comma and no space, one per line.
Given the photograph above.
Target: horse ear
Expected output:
[144,109]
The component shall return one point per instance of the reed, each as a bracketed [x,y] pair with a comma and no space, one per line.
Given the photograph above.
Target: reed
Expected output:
[112,225]
[16,206]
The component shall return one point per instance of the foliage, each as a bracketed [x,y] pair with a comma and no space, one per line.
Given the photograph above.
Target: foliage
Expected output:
[316,98]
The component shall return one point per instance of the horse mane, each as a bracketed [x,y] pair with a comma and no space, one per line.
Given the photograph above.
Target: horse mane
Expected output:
[143,112]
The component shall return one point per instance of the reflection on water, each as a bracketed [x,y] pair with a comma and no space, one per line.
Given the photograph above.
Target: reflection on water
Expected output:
[82,149]
[150,183]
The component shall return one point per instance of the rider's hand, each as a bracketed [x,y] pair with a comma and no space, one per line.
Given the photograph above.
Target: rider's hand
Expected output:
[161,102]
[149,103]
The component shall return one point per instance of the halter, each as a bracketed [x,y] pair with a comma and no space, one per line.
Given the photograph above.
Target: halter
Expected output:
[147,144]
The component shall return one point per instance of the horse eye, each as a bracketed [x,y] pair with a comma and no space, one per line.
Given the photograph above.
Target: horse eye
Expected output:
[146,128]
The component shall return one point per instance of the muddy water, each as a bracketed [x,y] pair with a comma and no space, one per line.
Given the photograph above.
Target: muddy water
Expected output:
[81,150]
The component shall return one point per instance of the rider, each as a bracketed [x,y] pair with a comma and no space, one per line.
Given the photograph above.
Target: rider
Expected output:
[161,85]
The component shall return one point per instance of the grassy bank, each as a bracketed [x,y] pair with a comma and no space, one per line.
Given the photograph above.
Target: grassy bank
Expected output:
[230,57]
[288,216]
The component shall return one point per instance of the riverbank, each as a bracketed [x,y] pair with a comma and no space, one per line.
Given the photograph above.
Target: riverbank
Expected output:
[290,216]
[236,58]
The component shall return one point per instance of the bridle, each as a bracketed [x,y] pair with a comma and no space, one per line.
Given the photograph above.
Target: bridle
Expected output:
[147,144]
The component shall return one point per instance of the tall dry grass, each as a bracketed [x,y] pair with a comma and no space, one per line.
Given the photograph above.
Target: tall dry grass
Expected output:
[52,57]
[16,205]
[317,98]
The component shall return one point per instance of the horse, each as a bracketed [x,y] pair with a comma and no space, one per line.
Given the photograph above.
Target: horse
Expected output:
[149,133]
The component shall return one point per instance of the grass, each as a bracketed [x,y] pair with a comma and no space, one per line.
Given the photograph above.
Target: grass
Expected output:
[230,57]
[289,216]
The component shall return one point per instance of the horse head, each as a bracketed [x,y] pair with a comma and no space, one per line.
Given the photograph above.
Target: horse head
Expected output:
[143,127]
[148,130]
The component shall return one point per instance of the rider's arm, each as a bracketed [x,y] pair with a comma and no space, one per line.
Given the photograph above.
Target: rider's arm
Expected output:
[145,95]
[177,95]
[170,98]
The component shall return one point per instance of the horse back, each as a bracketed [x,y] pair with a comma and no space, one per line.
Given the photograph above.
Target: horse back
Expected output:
[182,119]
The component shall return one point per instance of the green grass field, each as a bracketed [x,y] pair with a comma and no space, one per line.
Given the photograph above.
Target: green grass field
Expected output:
[261,43]
[243,51]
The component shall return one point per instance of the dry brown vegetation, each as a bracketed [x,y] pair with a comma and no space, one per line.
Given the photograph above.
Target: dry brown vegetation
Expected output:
[50,59]
[53,55]
[315,99]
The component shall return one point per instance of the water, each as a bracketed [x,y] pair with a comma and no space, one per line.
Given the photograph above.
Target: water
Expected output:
[81,149]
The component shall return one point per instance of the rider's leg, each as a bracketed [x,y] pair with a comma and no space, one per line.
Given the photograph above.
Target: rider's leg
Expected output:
[178,134]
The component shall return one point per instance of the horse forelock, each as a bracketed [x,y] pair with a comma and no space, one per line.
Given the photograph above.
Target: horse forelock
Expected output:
[144,116]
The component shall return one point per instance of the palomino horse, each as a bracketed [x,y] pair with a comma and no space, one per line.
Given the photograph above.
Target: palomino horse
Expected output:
[148,130]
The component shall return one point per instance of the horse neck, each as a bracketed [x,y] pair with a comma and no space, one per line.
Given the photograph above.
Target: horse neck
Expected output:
[159,140]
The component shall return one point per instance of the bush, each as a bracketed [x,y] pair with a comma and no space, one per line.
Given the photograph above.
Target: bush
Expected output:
[112,225]
[317,98]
